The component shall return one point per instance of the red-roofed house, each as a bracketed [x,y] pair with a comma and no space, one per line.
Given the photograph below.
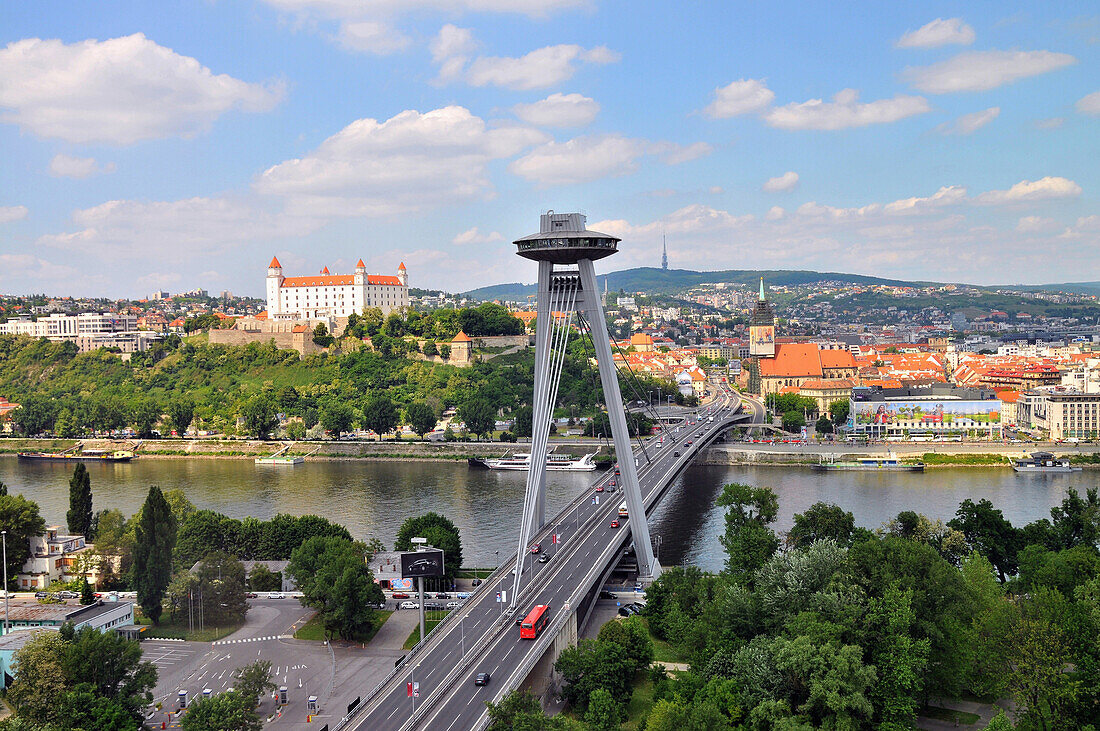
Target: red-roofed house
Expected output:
[330,296]
[795,363]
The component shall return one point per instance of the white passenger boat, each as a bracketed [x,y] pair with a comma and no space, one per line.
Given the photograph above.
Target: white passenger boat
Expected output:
[1043,462]
[521,461]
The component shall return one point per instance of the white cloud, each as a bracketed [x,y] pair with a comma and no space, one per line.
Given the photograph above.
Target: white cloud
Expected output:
[938,33]
[580,160]
[117,91]
[452,41]
[172,232]
[845,111]
[741,97]
[948,195]
[374,37]
[1050,123]
[26,273]
[536,70]
[362,8]
[969,123]
[1035,224]
[673,154]
[1027,190]
[473,236]
[559,110]
[774,213]
[66,166]
[12,213]
[816,211]
[1089,104]
[409,162]
[984,70]
[785,183]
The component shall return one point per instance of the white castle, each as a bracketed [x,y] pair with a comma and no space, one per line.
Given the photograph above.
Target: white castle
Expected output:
[333,295]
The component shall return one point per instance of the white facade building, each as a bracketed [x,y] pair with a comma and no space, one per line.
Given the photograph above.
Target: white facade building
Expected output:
[333,295]
[68,327]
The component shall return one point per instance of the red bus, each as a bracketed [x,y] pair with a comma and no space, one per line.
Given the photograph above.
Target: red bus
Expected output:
[534,622]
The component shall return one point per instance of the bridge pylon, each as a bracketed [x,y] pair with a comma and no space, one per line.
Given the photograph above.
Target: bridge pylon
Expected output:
[565,250]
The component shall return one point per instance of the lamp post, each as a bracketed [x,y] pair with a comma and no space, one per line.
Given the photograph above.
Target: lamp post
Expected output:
[4,536]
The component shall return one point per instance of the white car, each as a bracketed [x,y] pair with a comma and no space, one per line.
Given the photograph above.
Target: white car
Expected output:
[275,595]
[409,605]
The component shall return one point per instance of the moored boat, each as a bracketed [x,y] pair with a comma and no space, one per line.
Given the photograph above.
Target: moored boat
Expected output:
[1043,462]
[521,462]
[93,455]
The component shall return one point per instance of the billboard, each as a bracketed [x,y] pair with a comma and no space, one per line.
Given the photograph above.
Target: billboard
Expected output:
[402,584]
[422,563]
[928,414]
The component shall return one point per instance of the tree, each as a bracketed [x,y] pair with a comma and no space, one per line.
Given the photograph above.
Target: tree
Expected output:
[420,417]
[1077,520]
[1037,676]
[523,418]
[261,578]
[155,537]
[336,581]
[899,658]
[222,582]
[254,680]
[748,540]
[111,663]
[793,420]
[440,532]
[321,336]
[40,679]
[479,416]
[144,414]
[380,415]
[20,517]
[181,412]
[228,711]
[444,351]
[430,348]
[521,711]
[838,411]
[86,595]
[81,708]
[35,415]
[296,431]
[259,416]
[604,713]
[823,425]
[822,520]
[79,516]
[337,417]
[988,532]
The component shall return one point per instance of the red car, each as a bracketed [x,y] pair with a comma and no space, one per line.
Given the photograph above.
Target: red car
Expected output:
[400,595]
[599,488]
[536,548]
[612,483]
[614,524]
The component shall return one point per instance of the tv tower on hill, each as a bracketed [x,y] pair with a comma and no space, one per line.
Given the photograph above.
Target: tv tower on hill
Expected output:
[664,253]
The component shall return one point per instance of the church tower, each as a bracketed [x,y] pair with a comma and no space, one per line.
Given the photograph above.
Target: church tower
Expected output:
[274,282]
[762,328]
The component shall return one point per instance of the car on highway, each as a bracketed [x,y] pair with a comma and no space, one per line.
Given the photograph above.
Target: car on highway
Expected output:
[544,558]
[409,605]
[275,595]
[400,595]
[612,483]
[536,548]
[614,524]
[599,488]
[675,454]
[482,679]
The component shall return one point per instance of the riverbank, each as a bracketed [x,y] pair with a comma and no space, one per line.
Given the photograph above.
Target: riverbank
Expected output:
[314,451]
[946,456]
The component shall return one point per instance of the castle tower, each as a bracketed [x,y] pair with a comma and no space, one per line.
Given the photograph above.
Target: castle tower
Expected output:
[360,274]
[274,282]
[565,249]
[403,275]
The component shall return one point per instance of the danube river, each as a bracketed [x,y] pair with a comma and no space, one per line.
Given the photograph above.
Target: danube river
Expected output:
[373,498]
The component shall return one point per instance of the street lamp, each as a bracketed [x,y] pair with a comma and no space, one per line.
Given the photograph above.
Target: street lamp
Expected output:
[4,536]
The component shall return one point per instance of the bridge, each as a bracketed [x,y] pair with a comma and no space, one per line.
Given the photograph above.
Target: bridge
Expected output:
[482,636]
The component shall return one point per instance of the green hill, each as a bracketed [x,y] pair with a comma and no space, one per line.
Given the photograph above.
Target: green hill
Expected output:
[659,281]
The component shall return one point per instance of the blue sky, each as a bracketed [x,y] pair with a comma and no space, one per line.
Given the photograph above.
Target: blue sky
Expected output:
[180,144]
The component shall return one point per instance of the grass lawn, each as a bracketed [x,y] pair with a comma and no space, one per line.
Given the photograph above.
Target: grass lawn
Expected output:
[662,651]
[180,630]
[947,714]
[641,701]
[315,631]
[414,636]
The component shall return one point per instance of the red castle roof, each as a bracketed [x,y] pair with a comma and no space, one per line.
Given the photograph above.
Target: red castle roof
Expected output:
[274,263]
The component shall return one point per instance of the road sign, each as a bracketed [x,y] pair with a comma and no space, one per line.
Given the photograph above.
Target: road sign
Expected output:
[409,690]
[416,689]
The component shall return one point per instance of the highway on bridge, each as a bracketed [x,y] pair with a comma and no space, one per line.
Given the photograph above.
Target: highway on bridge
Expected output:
[480,636]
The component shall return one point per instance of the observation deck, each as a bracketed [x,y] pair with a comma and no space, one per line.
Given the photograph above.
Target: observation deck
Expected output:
[563,239]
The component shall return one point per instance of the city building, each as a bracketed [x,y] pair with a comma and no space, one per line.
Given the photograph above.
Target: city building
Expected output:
[59,326]
[57,557]
[762,328]
[333,295]
[793,364]
[1072,415]
[935,410]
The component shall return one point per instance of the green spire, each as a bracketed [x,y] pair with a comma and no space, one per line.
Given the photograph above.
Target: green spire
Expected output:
[761,289]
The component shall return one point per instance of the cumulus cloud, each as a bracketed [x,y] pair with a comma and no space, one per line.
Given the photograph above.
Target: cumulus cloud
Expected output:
[1035,224]
[845,111]
[451,42]
[409,162]
[948,195]
[559,110]
[673,154]
[172,231]
[27,273]
[938,33]
[740,97]
[969,123]
[774,213]
[12,213]
[984,70]
[580,160]
[538,69]
[1089,104]
[1027,190]
[361,8]
[117,91]
[474,236]
[67,166]
[374,37]
[782,184]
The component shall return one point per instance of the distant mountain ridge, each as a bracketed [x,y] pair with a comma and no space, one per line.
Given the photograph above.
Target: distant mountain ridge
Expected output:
[660,281]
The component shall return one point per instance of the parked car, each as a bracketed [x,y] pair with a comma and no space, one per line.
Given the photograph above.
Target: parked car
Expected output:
[453,604]
[409,605]
[41,594]
[249,595]
[275,595]
[440,595]
[400,595]
[475,582]
[66,594]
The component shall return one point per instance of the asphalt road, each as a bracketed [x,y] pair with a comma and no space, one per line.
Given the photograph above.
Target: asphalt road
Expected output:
[585,537]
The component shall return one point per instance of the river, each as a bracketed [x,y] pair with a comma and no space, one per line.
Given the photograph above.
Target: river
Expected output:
[373,498]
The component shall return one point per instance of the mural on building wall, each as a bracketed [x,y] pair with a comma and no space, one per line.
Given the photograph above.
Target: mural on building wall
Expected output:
[761,335]
[927,413]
